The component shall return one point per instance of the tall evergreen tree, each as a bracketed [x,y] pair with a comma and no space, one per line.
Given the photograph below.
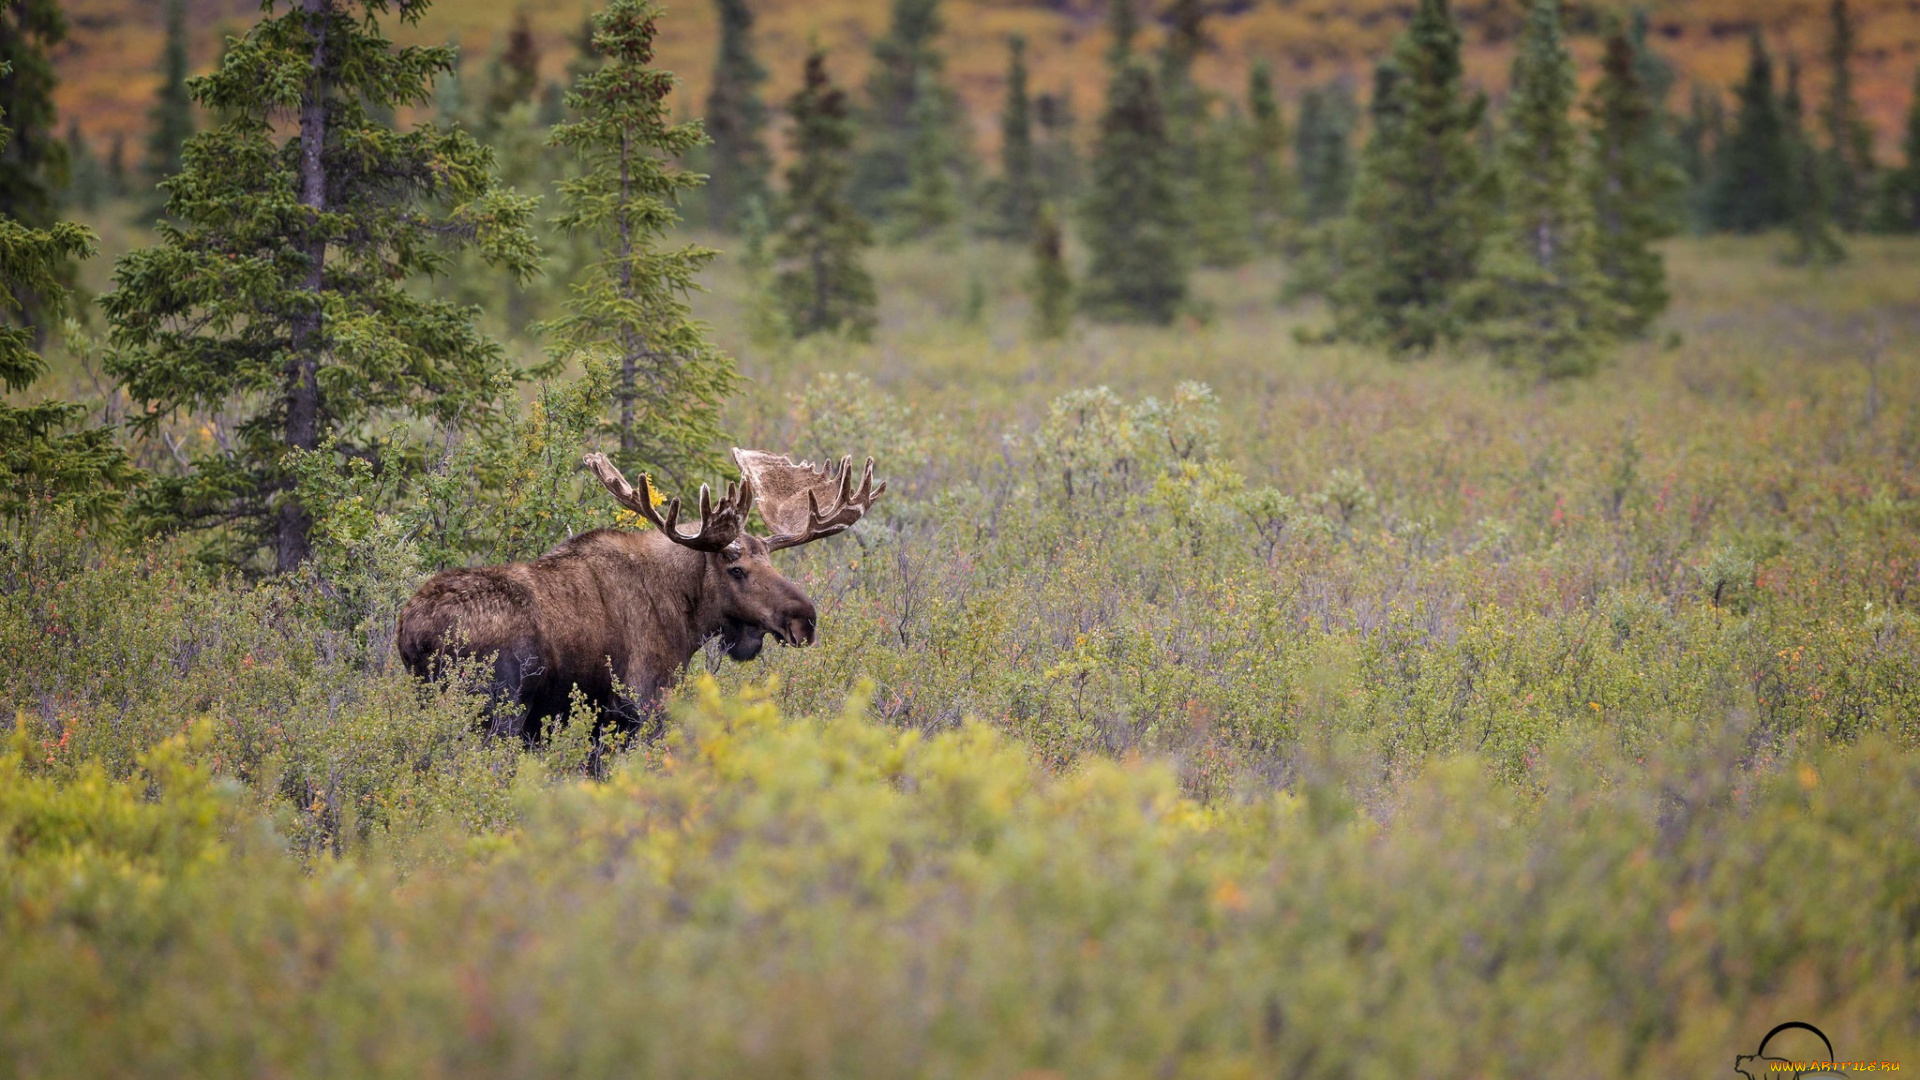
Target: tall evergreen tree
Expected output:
[1809,198]
[33,163]
[1629,183]
[1019,186]
[1700,136]
[906,65]
[1539,301]
[1135,226]
[1849,162]
[87,177]
[1219,190]
[117,183]
[1271,196]
[1413,235]
[1323,151]
[823,285]
[41,455]
[170,120]
[632,304]
[929,206]
[514,74]
[737,122]
[278,292]
[1051,284]
[1752,165]
[1056,156]
[1899,201]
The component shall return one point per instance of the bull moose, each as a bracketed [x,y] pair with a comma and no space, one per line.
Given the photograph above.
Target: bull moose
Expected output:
[635,606]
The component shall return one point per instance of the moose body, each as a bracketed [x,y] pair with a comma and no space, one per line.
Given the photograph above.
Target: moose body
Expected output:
[632,606]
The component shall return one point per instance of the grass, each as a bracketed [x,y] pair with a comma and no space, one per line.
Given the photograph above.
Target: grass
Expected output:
[1197,703]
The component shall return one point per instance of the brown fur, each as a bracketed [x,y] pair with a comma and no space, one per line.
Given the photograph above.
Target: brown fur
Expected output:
[606,603]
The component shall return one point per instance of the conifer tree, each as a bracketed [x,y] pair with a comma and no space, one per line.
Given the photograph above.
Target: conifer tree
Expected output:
[1899,202]
[1752,165]
[631,306]
[1413,235]
[823,286]
[1219,182]
[1849,162]
[33,163]
[87,177]
[1271,195]
[929,206]
[1019,189]
[170,121]
[1136,228]
[41,456]
[515,72]
[1701,134]
[1051,284]
[117,185]
[1539,301]
[278,292]
[906,65]
[737,122]
[1323,151]
[1809,198]
[1630,184]
[1056,158]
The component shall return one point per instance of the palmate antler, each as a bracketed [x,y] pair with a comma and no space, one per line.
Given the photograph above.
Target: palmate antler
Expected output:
[790,495]
[719,525]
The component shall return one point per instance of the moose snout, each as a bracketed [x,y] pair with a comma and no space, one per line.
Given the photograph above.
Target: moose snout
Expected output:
[800,620]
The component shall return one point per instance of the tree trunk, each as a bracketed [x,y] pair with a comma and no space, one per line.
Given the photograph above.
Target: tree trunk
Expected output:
[303,387]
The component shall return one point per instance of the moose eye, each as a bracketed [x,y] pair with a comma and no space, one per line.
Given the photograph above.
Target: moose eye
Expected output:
[739,573]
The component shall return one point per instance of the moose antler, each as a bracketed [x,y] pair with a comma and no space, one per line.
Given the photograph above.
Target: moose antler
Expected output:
[719,525]
[790,496]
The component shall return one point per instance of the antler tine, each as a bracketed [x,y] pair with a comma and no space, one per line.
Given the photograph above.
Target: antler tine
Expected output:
[719,527]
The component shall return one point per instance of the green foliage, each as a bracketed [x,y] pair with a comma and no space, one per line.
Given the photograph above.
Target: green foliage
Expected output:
[1223,224]
[913,126]
[737,121]
[1415,228]
[1322,151]
[1704,129]
[170,120]
[630,307]
[928,207]
[1056,152]
[33,162]
[1630,185]
[1050,284]
[514,74]
[1751,187]
[1809,185]
[1899,200]
[275,304]
[87,184]
[1135,228]
[1272,196]
[1849,155]
[41,460]
[1018,192]
[823,286]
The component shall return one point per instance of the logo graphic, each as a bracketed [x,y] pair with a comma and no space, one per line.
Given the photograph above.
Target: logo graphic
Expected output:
[1758,1066]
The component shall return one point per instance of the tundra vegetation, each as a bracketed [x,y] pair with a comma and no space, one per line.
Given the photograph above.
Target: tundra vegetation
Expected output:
[1202,700]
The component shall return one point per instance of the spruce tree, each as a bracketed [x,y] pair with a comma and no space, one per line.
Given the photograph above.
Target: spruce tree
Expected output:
[1271,194]
[41,456]
[1019,189]
[1849,163]
[823,286]
[1752,165]
[1630,184]
[1219,182]
[170,120]
[87,177]
[117,183]
[33,163]
[1323,151]
[278,295]
[515,72]
[737,122]
[1051,284]
[1413,235]
[1809,198]
[1539,301]
[1700,134]
[929,206]
[1899,202]
[906,65]
[631,305]
[1056,157]
[1135,226]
